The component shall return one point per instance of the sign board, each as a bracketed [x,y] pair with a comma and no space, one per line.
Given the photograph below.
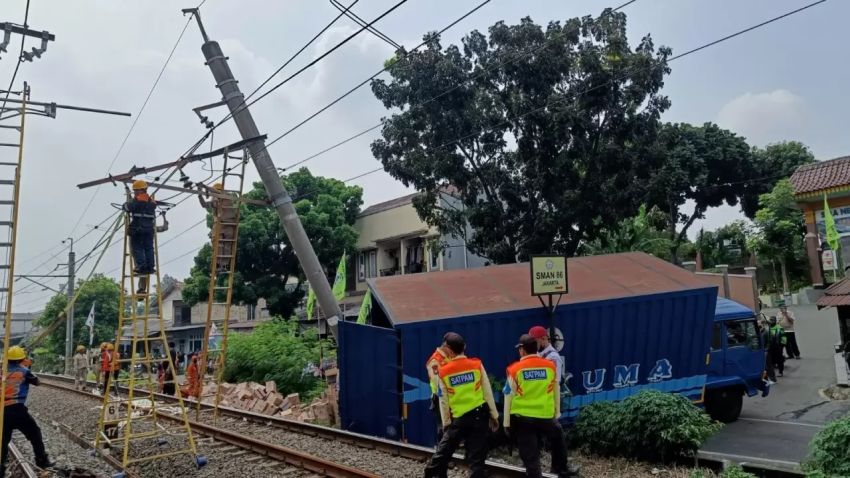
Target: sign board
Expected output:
[828,259]
[548,275]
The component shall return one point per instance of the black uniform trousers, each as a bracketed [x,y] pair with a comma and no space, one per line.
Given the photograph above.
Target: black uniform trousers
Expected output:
[473,429]
[17,417]
[791,348]
[528,433]
[141,244]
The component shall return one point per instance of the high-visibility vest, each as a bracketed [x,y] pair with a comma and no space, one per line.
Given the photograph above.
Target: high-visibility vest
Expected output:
[116,364]
[534,396]
[462,379]
[433,364]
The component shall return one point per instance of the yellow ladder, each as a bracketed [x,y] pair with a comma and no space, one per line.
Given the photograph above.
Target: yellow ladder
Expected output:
[131,421]
[225,238]
[10,175]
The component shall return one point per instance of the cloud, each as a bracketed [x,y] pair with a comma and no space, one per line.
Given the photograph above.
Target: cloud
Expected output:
[765,117]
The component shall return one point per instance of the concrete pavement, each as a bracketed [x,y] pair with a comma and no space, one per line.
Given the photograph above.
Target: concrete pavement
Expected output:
[778,428]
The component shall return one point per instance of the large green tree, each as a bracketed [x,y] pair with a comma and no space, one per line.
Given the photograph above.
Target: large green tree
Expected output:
[779,229]
[542,132]
[265,260]
[725,245]
[100,290]
[645,232]
[707,166]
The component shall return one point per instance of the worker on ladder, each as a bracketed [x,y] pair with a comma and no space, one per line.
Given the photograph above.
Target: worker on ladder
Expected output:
[142,210]
[224,209]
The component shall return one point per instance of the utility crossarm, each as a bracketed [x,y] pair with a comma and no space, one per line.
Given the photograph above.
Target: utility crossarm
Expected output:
[51,107]
[135,171]
[209,191]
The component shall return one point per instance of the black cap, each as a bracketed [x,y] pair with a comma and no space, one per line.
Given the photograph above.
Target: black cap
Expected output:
[528,343]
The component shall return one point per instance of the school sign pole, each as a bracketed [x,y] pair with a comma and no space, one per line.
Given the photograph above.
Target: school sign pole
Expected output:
[549,278]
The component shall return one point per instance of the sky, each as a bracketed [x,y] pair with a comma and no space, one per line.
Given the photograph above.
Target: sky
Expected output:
[785,81]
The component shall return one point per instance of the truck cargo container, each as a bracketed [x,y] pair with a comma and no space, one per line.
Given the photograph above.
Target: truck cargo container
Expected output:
[629,322]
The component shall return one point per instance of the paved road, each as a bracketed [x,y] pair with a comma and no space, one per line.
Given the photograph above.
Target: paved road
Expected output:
[779,427]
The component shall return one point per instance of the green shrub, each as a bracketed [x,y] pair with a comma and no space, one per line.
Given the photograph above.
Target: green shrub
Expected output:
[277,351]
[829,454]
[736,472]
[650,425]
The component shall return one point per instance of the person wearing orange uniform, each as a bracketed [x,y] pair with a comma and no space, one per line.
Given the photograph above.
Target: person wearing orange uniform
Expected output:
[467,409]
[116,366]
[192,386]
[15,413]
[432,366]
[106,364]
[532,408]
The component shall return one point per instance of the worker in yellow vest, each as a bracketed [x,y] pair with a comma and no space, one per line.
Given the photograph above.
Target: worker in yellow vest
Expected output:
[532,408]
[432,366]
[467,409]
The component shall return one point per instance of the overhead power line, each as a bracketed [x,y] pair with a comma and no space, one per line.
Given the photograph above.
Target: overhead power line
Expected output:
[20,58]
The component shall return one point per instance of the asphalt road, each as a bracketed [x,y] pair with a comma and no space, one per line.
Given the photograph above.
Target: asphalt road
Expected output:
[777,429]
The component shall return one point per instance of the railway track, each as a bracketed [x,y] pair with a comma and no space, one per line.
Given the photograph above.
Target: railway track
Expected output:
[265,426]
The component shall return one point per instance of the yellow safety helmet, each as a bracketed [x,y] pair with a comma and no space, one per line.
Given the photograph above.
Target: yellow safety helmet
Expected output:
[103,345]
[16,353]
[140,184]
[218,186]
[81,348]
[110,347]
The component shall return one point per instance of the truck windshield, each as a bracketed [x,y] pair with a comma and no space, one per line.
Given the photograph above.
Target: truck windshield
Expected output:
[742,333]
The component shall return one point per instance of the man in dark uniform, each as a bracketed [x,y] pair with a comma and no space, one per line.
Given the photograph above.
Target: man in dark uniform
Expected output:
[16,416]
[142,212]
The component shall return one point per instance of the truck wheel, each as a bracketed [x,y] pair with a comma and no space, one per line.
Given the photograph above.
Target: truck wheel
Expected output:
[725,404]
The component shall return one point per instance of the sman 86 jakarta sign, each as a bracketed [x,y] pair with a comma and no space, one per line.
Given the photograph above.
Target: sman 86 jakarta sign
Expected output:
[548,275]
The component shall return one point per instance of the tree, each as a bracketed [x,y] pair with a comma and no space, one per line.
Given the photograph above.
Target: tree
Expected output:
[702,164]
[542,133]
[265,260]
[644,232]
[104,293]
[710,166]
[726,245]
[772,163]
[780,228]
[276,351]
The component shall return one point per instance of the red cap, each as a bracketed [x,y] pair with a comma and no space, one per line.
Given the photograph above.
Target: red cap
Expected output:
[538,332]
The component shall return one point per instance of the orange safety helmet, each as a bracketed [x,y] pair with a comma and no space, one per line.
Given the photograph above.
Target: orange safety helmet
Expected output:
[110,347]
[218,186]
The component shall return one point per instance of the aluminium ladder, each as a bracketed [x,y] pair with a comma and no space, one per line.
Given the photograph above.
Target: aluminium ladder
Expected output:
[226,212]
[131,422]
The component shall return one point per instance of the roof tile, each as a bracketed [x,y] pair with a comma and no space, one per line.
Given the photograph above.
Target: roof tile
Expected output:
[821,175]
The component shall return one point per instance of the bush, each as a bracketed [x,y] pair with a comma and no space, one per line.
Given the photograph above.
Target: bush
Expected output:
[650,425]
[277,351]
[829,450]
[736,472]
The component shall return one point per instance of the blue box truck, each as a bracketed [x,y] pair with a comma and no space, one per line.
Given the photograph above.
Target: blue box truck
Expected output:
[630,322]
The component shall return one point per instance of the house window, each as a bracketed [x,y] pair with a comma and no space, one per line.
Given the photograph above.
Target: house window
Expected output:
[182,313]
[367,265]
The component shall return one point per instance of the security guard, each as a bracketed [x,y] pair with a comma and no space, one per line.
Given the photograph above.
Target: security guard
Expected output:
[81,368]
[467,409]
[142,211]
[16,416]
[532,408]
[432,366]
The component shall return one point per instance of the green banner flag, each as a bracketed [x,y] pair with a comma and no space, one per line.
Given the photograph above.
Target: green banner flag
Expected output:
[831,230]
[311,302]
[339,281]
[365,307]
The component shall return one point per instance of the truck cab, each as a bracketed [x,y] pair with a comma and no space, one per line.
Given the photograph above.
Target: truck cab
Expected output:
[736,361]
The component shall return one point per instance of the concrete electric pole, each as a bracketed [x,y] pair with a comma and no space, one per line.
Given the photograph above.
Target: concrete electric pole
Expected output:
[234,99]
[69,319]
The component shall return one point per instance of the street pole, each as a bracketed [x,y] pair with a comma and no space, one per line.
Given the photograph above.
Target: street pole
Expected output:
[278,196]
[69,319]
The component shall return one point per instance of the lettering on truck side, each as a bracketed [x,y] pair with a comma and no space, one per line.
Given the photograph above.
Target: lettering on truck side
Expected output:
[461,379]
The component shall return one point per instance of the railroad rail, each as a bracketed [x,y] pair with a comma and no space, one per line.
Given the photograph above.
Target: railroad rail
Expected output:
[19,463]
[275,452]
[390,447]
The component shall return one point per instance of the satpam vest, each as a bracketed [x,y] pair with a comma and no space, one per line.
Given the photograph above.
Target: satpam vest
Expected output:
[462,379]
[535,383]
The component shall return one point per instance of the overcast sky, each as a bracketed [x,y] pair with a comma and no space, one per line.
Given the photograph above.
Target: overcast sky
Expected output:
[785,81]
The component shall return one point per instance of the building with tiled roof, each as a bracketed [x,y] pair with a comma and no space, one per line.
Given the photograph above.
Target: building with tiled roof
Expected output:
[812,184]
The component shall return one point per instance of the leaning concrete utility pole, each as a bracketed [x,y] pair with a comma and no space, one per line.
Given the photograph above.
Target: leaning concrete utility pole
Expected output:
[279,198]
